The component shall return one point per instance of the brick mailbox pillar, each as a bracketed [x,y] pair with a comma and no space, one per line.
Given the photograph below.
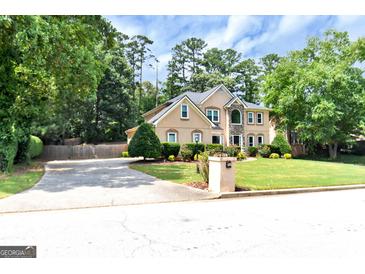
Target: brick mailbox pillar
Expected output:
[222,174]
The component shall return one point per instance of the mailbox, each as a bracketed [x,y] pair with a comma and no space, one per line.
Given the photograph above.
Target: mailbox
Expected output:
[228,164]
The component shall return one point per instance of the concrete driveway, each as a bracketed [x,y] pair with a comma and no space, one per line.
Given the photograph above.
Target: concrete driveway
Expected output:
[93,183]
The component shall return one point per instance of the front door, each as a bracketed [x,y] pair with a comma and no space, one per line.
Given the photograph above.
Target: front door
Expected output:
[236,140]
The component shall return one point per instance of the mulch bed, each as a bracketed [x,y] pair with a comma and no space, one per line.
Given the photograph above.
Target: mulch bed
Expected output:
[200,185]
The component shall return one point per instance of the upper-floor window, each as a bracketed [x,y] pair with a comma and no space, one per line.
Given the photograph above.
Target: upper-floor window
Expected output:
[213,115]
[236,117]
[184,111]
[250,118]
[260,118]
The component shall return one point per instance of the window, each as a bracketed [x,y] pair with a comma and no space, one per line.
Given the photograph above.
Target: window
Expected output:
[184,111]
[236,117]
[250,118]
[236,140]
[260,140]
[197,137]
[260,118]
[251,140]
[171,137]
[213,115]
[216,139]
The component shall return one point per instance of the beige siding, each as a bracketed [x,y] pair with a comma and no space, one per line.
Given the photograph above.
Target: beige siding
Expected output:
[257,129]
[184,127]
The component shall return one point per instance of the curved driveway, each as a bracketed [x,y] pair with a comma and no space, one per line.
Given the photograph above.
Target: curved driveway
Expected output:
[92,183]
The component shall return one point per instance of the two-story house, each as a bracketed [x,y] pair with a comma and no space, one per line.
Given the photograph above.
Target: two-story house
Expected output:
[212,117]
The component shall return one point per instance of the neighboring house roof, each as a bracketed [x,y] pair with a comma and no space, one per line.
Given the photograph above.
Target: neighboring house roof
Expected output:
[255,106]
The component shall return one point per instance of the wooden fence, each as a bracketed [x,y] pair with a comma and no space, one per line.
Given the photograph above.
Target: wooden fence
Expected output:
[66,152]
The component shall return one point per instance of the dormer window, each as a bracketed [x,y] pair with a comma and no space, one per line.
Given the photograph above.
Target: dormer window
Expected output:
[213,115]
[184,111]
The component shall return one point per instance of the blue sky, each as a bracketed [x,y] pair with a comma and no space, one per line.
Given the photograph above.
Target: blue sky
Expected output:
[253,36]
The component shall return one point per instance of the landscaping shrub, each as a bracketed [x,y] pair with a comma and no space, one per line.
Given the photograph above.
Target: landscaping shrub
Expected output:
[196,157]
[145,143]
[7,155]
[186,153]
[241,156]
[281,142]
[195,147]
[171,158]
[23,152]
[35,146]
[264,151]
[170,149]
[125,154]
[252,151]
[204,165]
[232,151]
[274,149]
[214,147]
[274,156]
[287,156]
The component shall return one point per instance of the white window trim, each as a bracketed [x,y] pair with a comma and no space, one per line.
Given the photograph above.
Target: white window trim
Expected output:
[263,139]
[187,111]
[248,140]
[248,118]
[167,136]
[262,118]
[200,137]
[213,109]
[240,118]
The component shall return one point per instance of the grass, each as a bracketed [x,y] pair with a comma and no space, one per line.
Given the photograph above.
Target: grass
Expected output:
[272,173]
[23,177]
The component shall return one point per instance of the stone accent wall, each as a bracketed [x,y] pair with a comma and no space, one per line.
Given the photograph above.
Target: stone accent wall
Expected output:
[236,129]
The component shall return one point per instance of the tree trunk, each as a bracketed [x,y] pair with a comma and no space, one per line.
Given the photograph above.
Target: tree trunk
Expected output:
[333,150]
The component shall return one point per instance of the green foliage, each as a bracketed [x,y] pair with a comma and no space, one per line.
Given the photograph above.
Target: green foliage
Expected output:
[8,150]
[281,142]
[358,148]
[318,92]
[145,143]
[35,146]
[232,151]
[274,148]
[288,156]
[252,151]
[196,148]
[125,154]
[171,158]
[241,156]
[186,153]
[274,156]
[170,149]
[204,165]
[213,148]
[264,151]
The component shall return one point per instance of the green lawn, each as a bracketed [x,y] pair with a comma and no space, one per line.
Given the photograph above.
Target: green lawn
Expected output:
[22,178]
[270,173]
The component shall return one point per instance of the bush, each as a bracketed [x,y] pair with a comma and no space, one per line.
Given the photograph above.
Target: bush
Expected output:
[232,151]
[264,151]
[241,156]
[7,154]
[204,166]
[125,154]
[274,156]
[274,149]
[145,143]
[281,142]
[196,157]
[287,156]
[186,153]
[170,149]
[252,151]
[196,148]
[214,147]
[35,146]
[171,158]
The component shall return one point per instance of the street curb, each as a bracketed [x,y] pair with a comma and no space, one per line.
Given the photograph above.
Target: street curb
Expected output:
[254,193]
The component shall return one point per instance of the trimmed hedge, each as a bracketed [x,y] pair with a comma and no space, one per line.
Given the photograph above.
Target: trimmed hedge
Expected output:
[233,151]
[252,151]
[264,151]
[35,146]
[195,148]
[168,149]
[215,147]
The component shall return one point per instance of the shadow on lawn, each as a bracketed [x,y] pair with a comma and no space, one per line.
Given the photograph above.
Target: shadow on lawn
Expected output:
[341,158]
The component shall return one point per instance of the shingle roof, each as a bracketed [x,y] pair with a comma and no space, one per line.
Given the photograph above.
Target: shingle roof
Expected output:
[196,97]
[255,106]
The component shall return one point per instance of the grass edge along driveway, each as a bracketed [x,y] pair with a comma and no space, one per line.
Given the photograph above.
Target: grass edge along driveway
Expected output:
[23,178]
[265,174]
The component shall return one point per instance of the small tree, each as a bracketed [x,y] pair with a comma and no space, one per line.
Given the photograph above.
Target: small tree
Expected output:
[145,143]
[281,142]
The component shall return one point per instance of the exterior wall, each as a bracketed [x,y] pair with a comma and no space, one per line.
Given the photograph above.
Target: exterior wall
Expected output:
[184,127]
[257,129]
[217,101]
